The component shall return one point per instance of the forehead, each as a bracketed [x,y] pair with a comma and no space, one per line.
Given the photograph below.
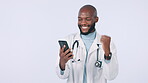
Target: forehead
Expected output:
[85,13]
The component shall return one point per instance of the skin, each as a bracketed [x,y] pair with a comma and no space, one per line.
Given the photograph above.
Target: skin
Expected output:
[86,17]
[64,57]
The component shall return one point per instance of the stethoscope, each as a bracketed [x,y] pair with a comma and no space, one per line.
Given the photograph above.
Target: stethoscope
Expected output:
[98,63]
[76,42]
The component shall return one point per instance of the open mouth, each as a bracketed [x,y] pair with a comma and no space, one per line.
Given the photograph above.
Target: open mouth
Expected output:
[84,27]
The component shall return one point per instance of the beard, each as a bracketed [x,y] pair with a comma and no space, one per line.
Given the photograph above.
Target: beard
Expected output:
[92,27]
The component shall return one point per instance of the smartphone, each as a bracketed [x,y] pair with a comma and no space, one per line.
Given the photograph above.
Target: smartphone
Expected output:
[62,43]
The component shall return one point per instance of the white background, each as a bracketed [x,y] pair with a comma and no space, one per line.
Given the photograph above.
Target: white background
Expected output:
[29,30]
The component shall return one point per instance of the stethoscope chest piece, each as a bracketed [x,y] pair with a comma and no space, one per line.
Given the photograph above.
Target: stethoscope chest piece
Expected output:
[98,64]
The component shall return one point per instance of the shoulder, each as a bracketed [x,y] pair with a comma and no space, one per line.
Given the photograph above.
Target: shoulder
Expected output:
[70,37]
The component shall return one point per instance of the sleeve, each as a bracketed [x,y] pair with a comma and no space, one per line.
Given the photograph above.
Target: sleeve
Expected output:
[106,61]
[62,74]
[110,70]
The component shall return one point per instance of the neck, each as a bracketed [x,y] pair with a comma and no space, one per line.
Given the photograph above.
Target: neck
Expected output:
[91,35]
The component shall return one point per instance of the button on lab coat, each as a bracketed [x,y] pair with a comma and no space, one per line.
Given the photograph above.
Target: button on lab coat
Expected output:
[75,67]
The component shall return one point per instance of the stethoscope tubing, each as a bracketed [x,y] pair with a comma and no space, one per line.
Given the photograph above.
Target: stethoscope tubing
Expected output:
[98,61]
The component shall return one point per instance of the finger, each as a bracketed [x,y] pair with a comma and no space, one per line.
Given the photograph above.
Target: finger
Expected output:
[69,55]
[63,48]
[60,50]
[105,36]
[67,51]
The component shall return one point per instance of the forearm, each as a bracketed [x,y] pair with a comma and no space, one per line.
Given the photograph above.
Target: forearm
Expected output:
[63,74]
[62,65]
[111,69]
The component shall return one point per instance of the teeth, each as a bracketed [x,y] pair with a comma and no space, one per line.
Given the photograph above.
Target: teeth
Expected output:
[84,27]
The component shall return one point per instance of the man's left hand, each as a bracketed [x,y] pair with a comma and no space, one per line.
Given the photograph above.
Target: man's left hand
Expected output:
[105,40]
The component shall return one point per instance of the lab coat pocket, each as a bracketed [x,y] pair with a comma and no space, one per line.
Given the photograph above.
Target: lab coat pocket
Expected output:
[97,73]
[77,70]
[77,64]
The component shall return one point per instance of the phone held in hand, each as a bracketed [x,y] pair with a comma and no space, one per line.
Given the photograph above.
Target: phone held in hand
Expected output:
[62,43]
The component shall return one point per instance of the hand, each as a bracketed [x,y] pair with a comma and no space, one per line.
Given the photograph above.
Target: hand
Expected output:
[64,57]
[105,40]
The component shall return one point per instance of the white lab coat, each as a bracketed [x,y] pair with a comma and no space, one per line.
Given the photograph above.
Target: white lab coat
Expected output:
[74,71]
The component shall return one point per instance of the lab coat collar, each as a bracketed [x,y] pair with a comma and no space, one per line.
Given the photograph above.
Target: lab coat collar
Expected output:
[94,45]
[79,39]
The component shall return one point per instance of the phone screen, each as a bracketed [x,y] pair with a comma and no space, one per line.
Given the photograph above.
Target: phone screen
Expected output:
[62,43]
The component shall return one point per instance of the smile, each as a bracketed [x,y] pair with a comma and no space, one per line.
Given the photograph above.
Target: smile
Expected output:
[84,27]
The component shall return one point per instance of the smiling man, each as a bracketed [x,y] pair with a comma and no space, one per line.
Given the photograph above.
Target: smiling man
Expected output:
[87,18]
[93,57]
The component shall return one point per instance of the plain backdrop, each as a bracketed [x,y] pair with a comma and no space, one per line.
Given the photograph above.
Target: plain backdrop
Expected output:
[29,30]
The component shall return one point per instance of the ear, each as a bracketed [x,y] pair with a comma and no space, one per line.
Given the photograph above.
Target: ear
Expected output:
[96,19]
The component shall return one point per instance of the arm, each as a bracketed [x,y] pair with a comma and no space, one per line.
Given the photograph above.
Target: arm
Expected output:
[63,74]
[110,70]
[62,67]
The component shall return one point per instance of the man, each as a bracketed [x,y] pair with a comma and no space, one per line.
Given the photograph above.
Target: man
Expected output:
[93,57]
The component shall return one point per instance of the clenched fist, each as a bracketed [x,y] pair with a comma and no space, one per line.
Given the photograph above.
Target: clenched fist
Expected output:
[105,40]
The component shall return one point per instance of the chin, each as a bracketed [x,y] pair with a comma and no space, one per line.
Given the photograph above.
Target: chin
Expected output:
[84,30]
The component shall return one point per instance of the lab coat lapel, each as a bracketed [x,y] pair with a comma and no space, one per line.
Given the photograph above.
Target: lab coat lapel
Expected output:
[77,37]
[94,45]
[81,46]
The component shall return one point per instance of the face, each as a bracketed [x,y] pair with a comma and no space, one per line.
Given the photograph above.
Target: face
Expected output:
[86,22]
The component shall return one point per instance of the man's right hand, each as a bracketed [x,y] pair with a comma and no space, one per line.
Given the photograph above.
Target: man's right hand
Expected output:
[64,57]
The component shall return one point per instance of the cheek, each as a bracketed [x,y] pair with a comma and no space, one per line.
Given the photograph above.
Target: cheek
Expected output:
[90,22]
[79,23]
[87,23]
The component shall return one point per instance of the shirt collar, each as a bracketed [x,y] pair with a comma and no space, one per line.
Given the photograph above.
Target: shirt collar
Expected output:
[89,36]
[96,40]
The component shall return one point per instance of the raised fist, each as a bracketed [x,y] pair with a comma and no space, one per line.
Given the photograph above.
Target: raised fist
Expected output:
[105,40]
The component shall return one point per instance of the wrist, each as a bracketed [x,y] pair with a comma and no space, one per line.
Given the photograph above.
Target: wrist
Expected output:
[107,56]
[107,50]
[62,66]
[107,53]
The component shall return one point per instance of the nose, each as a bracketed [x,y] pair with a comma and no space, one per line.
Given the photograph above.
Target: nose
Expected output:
[83,23]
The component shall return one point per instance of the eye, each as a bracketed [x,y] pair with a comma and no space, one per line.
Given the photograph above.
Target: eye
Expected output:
[88,19]
[79,19]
